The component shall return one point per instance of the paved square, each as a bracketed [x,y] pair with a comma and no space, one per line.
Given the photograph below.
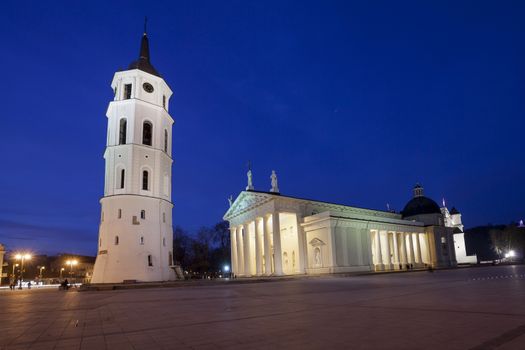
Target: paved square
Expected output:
[479,308]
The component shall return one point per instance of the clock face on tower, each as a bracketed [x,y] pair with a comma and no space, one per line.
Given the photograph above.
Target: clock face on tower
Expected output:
[148,87]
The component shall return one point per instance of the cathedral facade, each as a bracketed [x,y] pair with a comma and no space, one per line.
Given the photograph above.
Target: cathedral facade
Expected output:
[273,234]
[136,235]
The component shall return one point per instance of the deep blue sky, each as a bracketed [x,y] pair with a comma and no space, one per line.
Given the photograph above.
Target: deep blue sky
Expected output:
[350,102]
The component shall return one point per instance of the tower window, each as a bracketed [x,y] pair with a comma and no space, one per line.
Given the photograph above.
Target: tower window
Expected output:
[145,179]
[100,242]
[164,101]
[115,91]
[122,178]
[119,215]
[142,240]
[170,258]
[122,131]
[127,91]
[163,217]
[165,140]
[116,240]
[164,241]
[147,130]
[150,260]
[143,214]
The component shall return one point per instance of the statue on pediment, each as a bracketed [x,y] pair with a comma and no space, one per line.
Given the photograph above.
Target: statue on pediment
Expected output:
[275,186]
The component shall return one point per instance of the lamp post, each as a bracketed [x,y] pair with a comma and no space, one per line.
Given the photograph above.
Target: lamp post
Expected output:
[22,258]
[14,265]
[41,268]
[61,269]
[71,263]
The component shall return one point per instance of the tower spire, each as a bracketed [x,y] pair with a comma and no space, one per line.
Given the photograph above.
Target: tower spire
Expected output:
[143,62]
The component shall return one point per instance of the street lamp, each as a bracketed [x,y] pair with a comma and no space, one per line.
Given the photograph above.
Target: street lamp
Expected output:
[14,265]
[22,258]
[41,268]
[61,269]
[71,263]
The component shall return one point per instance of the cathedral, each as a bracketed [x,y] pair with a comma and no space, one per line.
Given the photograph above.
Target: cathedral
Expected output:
[273,235]
[136,235]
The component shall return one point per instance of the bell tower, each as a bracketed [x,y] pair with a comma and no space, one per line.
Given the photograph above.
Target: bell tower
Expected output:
[135,233]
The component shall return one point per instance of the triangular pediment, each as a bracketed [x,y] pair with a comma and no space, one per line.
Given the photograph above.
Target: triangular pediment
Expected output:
[317,242]
[246,201]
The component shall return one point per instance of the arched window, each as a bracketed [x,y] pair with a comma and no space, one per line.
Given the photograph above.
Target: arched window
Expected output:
[164,241]
[122,178]
[122,131]
[145,180]
[170,258]
[142,240]
[165,140]
[143,214]
[147,133]
[119,215]
[150,260]
[116,240]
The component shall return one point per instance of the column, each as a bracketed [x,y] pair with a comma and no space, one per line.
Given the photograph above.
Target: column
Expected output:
[396,251]
[359,243]
[267,247]
[344,243]
[429,249]
[240,256]
[404,248]
[388,252]
[411,249]
[379,253]
[246,244]
[278,255]
[301,242]
[258,249]
[419,259]
[233,246]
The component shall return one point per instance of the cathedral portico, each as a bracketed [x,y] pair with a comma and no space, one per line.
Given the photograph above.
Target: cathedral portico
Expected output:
[290,236]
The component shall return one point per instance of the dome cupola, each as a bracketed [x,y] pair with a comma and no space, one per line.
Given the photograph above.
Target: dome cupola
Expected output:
[420,204]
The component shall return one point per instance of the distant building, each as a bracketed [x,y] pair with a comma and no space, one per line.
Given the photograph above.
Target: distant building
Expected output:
[136,234]
[453,219]
[81,270]
[273,234]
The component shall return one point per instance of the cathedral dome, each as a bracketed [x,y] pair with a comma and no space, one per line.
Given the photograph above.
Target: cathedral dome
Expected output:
[420,204]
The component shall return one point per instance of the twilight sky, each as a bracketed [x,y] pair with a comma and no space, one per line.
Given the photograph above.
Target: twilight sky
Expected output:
[350,102]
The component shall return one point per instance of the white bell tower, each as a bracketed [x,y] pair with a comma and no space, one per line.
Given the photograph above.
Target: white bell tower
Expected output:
[136,234]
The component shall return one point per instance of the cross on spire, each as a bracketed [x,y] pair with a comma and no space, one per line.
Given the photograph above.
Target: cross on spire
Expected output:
[145,25]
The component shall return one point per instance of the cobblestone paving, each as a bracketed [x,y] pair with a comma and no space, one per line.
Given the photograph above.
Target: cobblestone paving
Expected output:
[467,308]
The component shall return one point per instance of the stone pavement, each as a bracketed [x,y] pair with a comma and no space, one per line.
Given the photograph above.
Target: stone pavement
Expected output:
[467,308]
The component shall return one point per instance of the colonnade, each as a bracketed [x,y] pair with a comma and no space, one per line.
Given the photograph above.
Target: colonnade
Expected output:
[268,252]
[395,250]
